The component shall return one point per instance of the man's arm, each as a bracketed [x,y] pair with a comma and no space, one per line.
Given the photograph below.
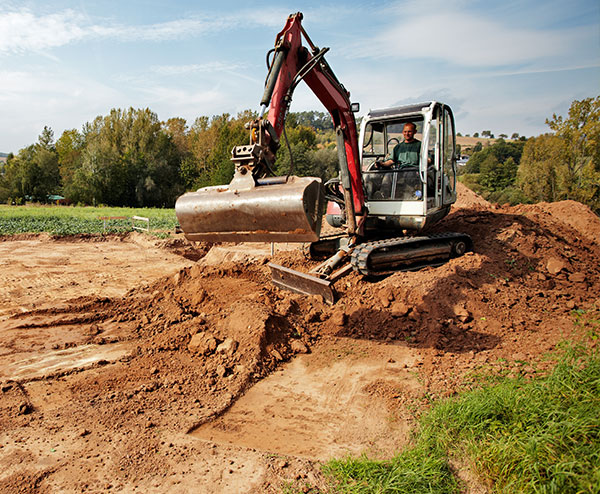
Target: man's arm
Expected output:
[387,163]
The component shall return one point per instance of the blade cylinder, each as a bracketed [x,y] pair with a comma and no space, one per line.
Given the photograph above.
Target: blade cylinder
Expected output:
[273,212]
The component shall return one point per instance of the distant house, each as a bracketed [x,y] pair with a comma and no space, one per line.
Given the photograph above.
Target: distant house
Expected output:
[462,160]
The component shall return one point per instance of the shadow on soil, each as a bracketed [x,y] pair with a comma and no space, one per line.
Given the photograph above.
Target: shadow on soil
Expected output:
[464,305]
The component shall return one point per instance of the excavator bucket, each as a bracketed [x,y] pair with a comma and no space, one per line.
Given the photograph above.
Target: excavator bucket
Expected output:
[272,210]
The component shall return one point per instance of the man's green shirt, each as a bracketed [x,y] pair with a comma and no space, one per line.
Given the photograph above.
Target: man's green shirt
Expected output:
[406,154]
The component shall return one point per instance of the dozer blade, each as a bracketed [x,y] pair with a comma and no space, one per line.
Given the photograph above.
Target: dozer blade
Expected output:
[271,211]
[303,283]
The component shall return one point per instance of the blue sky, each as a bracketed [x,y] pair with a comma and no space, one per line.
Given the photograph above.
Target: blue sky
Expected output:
[502,66]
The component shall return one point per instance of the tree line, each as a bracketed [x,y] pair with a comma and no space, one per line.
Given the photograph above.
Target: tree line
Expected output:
[488,135]
[131,158]
[562,164]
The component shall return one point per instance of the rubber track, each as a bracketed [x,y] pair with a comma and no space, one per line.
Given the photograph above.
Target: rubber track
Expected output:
[362,252]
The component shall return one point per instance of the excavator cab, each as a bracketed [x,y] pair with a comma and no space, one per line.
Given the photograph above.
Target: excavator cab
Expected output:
[412,195]
[407,196]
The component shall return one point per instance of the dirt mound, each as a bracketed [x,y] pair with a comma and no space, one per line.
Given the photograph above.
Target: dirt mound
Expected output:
[187,346]
[573,214]
[466,198]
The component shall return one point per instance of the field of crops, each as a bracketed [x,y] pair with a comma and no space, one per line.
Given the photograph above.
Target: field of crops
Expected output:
[69,220]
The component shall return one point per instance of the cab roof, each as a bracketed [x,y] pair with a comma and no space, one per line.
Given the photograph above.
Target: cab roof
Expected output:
[397,111]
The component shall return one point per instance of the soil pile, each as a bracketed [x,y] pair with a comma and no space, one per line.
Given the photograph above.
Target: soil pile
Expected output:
[196,340]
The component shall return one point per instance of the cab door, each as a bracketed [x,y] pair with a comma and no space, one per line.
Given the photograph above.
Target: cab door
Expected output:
[448,176]
[432,164]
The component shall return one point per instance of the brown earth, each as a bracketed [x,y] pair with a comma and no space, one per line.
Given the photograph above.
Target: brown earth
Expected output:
[468,143]
[133,365]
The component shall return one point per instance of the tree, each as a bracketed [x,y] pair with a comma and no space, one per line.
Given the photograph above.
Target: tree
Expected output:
[301,140]
[514,136]
[489,172]
[195,169]
[19,176]
[319,121]
[69,148]
[325,163]
[229,135]
[565,164]
[538,175]
[503,136]
[211,141]
[501,150]
[128,160]
[581,135]
[313,153]
[476,134]
[510,170]
[177,130]
[486,133]
[33,174]
[495,175]
[46,139]
[46,161]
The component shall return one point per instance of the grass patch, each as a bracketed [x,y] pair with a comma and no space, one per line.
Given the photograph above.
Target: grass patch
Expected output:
[526,436]
[72,220]
[420,469]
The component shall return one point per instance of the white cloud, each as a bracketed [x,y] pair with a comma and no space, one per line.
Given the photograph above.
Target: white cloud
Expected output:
[177,29]
[189,104]
[450,34]
[214,71]
[209,67]
[23,31]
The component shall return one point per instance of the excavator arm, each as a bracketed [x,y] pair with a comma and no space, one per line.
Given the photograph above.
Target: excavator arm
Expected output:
[293,62]
[256,207]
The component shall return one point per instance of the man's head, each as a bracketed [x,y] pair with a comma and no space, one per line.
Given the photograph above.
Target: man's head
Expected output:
[409,132]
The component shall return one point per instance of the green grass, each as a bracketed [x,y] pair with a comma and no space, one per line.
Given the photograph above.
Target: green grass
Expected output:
[519,436]
[70,220]
[420,469]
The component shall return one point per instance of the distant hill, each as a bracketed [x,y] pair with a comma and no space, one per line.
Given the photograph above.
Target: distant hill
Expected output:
[3,155]
[468,143]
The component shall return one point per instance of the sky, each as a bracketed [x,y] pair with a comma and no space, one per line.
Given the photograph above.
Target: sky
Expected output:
[502,66]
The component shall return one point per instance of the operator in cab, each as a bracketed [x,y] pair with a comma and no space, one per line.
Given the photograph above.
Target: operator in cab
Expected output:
[405,153]
[404,156]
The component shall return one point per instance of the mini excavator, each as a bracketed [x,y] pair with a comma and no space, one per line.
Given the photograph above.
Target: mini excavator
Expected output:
[382,213]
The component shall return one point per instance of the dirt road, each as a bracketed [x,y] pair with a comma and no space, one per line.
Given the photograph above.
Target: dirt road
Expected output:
[131,365]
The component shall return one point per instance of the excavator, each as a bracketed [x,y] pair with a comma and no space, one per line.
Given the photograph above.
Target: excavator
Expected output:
[381,213]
